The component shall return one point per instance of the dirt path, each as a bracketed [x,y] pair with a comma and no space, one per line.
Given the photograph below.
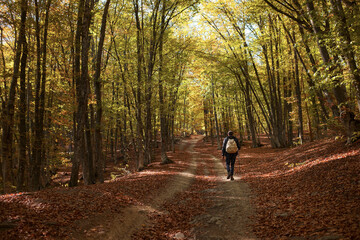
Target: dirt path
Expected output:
[228,217]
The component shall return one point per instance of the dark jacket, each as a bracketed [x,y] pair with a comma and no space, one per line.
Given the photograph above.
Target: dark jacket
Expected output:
[224,153]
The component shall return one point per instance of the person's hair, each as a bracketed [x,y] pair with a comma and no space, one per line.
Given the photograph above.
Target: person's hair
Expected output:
[230,133]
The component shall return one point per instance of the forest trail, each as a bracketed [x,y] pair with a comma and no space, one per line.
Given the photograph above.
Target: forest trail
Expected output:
[291,198]
[229,216]
[226,218]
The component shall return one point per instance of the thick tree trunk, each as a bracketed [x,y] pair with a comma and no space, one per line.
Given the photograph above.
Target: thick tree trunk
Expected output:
[8,121]
[83,119]
[40,109]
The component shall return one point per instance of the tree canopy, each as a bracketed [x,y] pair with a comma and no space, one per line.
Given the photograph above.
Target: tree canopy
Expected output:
[85,82]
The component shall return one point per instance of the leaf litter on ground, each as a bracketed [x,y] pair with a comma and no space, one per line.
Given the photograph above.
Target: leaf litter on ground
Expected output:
[307,192]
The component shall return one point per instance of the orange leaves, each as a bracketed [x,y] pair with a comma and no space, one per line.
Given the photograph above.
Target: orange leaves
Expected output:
[320,197]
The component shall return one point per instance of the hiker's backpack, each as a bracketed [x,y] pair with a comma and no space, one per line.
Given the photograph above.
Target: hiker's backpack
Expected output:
[231,146]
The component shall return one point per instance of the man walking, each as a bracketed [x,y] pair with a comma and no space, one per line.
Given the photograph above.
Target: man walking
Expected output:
[230,150]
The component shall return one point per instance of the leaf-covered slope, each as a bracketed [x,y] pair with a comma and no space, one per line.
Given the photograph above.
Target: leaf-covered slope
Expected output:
[308,191]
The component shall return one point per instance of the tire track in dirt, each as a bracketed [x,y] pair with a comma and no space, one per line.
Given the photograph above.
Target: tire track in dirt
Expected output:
[135,217]
[228,218]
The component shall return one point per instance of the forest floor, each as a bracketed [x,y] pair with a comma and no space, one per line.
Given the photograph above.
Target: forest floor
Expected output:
[307,192]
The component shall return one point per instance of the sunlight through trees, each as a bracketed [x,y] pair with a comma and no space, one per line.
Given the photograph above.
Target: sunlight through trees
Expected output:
[87,82]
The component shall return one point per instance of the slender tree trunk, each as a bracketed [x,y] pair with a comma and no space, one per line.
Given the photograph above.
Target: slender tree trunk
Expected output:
[184,112]
[211,128]
[298,97]
[251,121]
[79,141]
[22,122]
[99,159]
[36,157]
[311,134]
[40,111]
[215,115]
[237,109]
[163,127]
[43,83]
[124,139]
[172,132]
[205,118]
[3,63]
[138,97]
[87,151]
[288,110]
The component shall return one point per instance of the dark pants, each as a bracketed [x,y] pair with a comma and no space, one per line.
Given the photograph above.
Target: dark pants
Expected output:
[230,163]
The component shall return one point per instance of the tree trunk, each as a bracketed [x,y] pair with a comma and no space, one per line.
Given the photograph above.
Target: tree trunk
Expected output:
[215,115]
[79,142]
[138,96]
[163,127]
[36,157]
[22,122]
[205,117]
[40,107]
[237,109]
[298,96]
[99,159]
[184,112]
[211,128]
[8,121]
[83,119]
[287,111]
[251,121]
